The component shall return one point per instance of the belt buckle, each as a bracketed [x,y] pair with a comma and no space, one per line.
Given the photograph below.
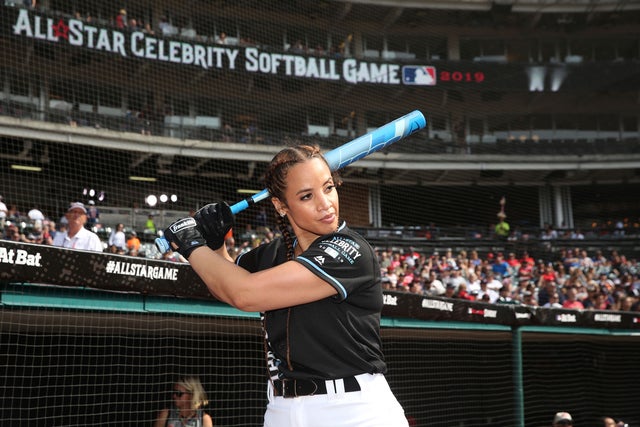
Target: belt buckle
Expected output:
[294,382]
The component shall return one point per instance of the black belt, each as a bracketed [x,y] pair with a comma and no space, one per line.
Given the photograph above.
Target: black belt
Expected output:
[295,388]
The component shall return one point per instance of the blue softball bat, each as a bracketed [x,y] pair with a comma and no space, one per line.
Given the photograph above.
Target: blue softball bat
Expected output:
[344,155]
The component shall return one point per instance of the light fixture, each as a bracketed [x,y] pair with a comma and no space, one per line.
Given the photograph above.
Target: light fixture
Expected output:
[26,168]
[174,198]
[247,191]
[164,198]
[536,78]
[143,178]
[151,200]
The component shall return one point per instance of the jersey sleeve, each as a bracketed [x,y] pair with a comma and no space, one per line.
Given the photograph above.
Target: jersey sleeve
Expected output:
[345,261]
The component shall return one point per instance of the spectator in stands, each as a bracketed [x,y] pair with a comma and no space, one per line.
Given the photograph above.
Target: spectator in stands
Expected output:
[4,213]
[35,214]
[93,214]
[133,243]
[610,422]
[577,234]
[166,29]
[384,259]
[571,299]
[416,286]
[553,301]
[77,236]
[228,133]
[593,289]
[562,419]
[150,225]
[549,233]
[147,29]
[297,47]
[12,233]
[462,293]
[492,281]
[188,408]
[528,298]
[35,234]
[450,291]
[118,240]
[435,285]
[48,232]
[627,303]
[524,284]
[473,282]
[514,263]
[505,295]
[502,228]
[221,38]
[457,279]
[620,228]
[133,24]
[121,19]
[500,266]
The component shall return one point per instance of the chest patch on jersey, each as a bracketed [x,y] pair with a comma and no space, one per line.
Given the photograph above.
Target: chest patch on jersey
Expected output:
[341,248]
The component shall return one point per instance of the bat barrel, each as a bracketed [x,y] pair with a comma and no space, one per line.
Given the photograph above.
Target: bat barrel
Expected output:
[375,140]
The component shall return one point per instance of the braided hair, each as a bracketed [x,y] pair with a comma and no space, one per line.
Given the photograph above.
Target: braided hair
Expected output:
[276,182]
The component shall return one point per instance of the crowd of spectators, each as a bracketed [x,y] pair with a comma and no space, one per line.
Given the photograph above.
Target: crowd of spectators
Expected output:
[573,279]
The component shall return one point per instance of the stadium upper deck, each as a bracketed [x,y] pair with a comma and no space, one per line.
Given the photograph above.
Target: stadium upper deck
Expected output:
[553,87]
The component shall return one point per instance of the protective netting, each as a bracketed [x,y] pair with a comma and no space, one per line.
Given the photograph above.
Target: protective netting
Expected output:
[145,111]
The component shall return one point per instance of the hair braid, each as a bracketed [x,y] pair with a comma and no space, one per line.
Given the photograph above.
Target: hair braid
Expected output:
[283,226]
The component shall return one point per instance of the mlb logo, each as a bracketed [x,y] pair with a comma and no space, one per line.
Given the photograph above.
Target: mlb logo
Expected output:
[419,75]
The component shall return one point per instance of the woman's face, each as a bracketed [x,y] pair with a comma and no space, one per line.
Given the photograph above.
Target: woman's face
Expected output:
[182,397]
[311,200]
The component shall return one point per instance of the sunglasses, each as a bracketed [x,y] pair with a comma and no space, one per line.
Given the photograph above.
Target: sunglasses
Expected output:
[179,393]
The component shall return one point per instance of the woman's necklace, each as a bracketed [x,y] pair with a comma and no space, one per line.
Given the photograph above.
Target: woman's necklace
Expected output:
[185,419]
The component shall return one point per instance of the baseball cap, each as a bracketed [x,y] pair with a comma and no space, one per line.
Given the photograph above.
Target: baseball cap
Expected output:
[562,416]
[77,205]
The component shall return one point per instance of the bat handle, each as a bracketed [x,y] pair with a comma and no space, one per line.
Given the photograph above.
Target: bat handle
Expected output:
[163,245]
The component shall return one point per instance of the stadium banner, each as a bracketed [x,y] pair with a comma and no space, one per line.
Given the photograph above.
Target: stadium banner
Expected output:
[51,265]
[67,32]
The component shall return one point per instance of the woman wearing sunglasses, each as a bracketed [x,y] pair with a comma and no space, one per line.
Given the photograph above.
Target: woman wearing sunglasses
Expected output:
[189,401]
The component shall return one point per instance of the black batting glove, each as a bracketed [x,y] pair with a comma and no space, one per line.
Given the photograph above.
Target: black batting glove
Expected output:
[186,235]
[215,220]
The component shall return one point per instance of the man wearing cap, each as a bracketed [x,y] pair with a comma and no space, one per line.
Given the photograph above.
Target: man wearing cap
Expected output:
[562,419]
[76,236]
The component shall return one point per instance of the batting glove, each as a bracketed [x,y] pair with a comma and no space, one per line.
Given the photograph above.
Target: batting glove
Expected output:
[215,220]
[186,235]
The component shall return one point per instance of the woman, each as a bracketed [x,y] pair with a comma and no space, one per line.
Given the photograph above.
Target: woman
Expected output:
[319,289]
[189,400]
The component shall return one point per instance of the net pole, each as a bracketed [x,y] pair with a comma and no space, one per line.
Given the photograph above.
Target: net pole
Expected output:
[517,378]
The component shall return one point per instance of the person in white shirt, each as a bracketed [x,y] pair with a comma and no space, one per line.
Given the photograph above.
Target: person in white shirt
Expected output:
[76,236]
[118,240]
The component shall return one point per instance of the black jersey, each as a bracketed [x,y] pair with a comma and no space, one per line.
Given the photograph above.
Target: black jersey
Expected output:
[335,337]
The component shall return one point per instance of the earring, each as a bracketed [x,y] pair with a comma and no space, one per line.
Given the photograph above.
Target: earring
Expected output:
[282,214]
